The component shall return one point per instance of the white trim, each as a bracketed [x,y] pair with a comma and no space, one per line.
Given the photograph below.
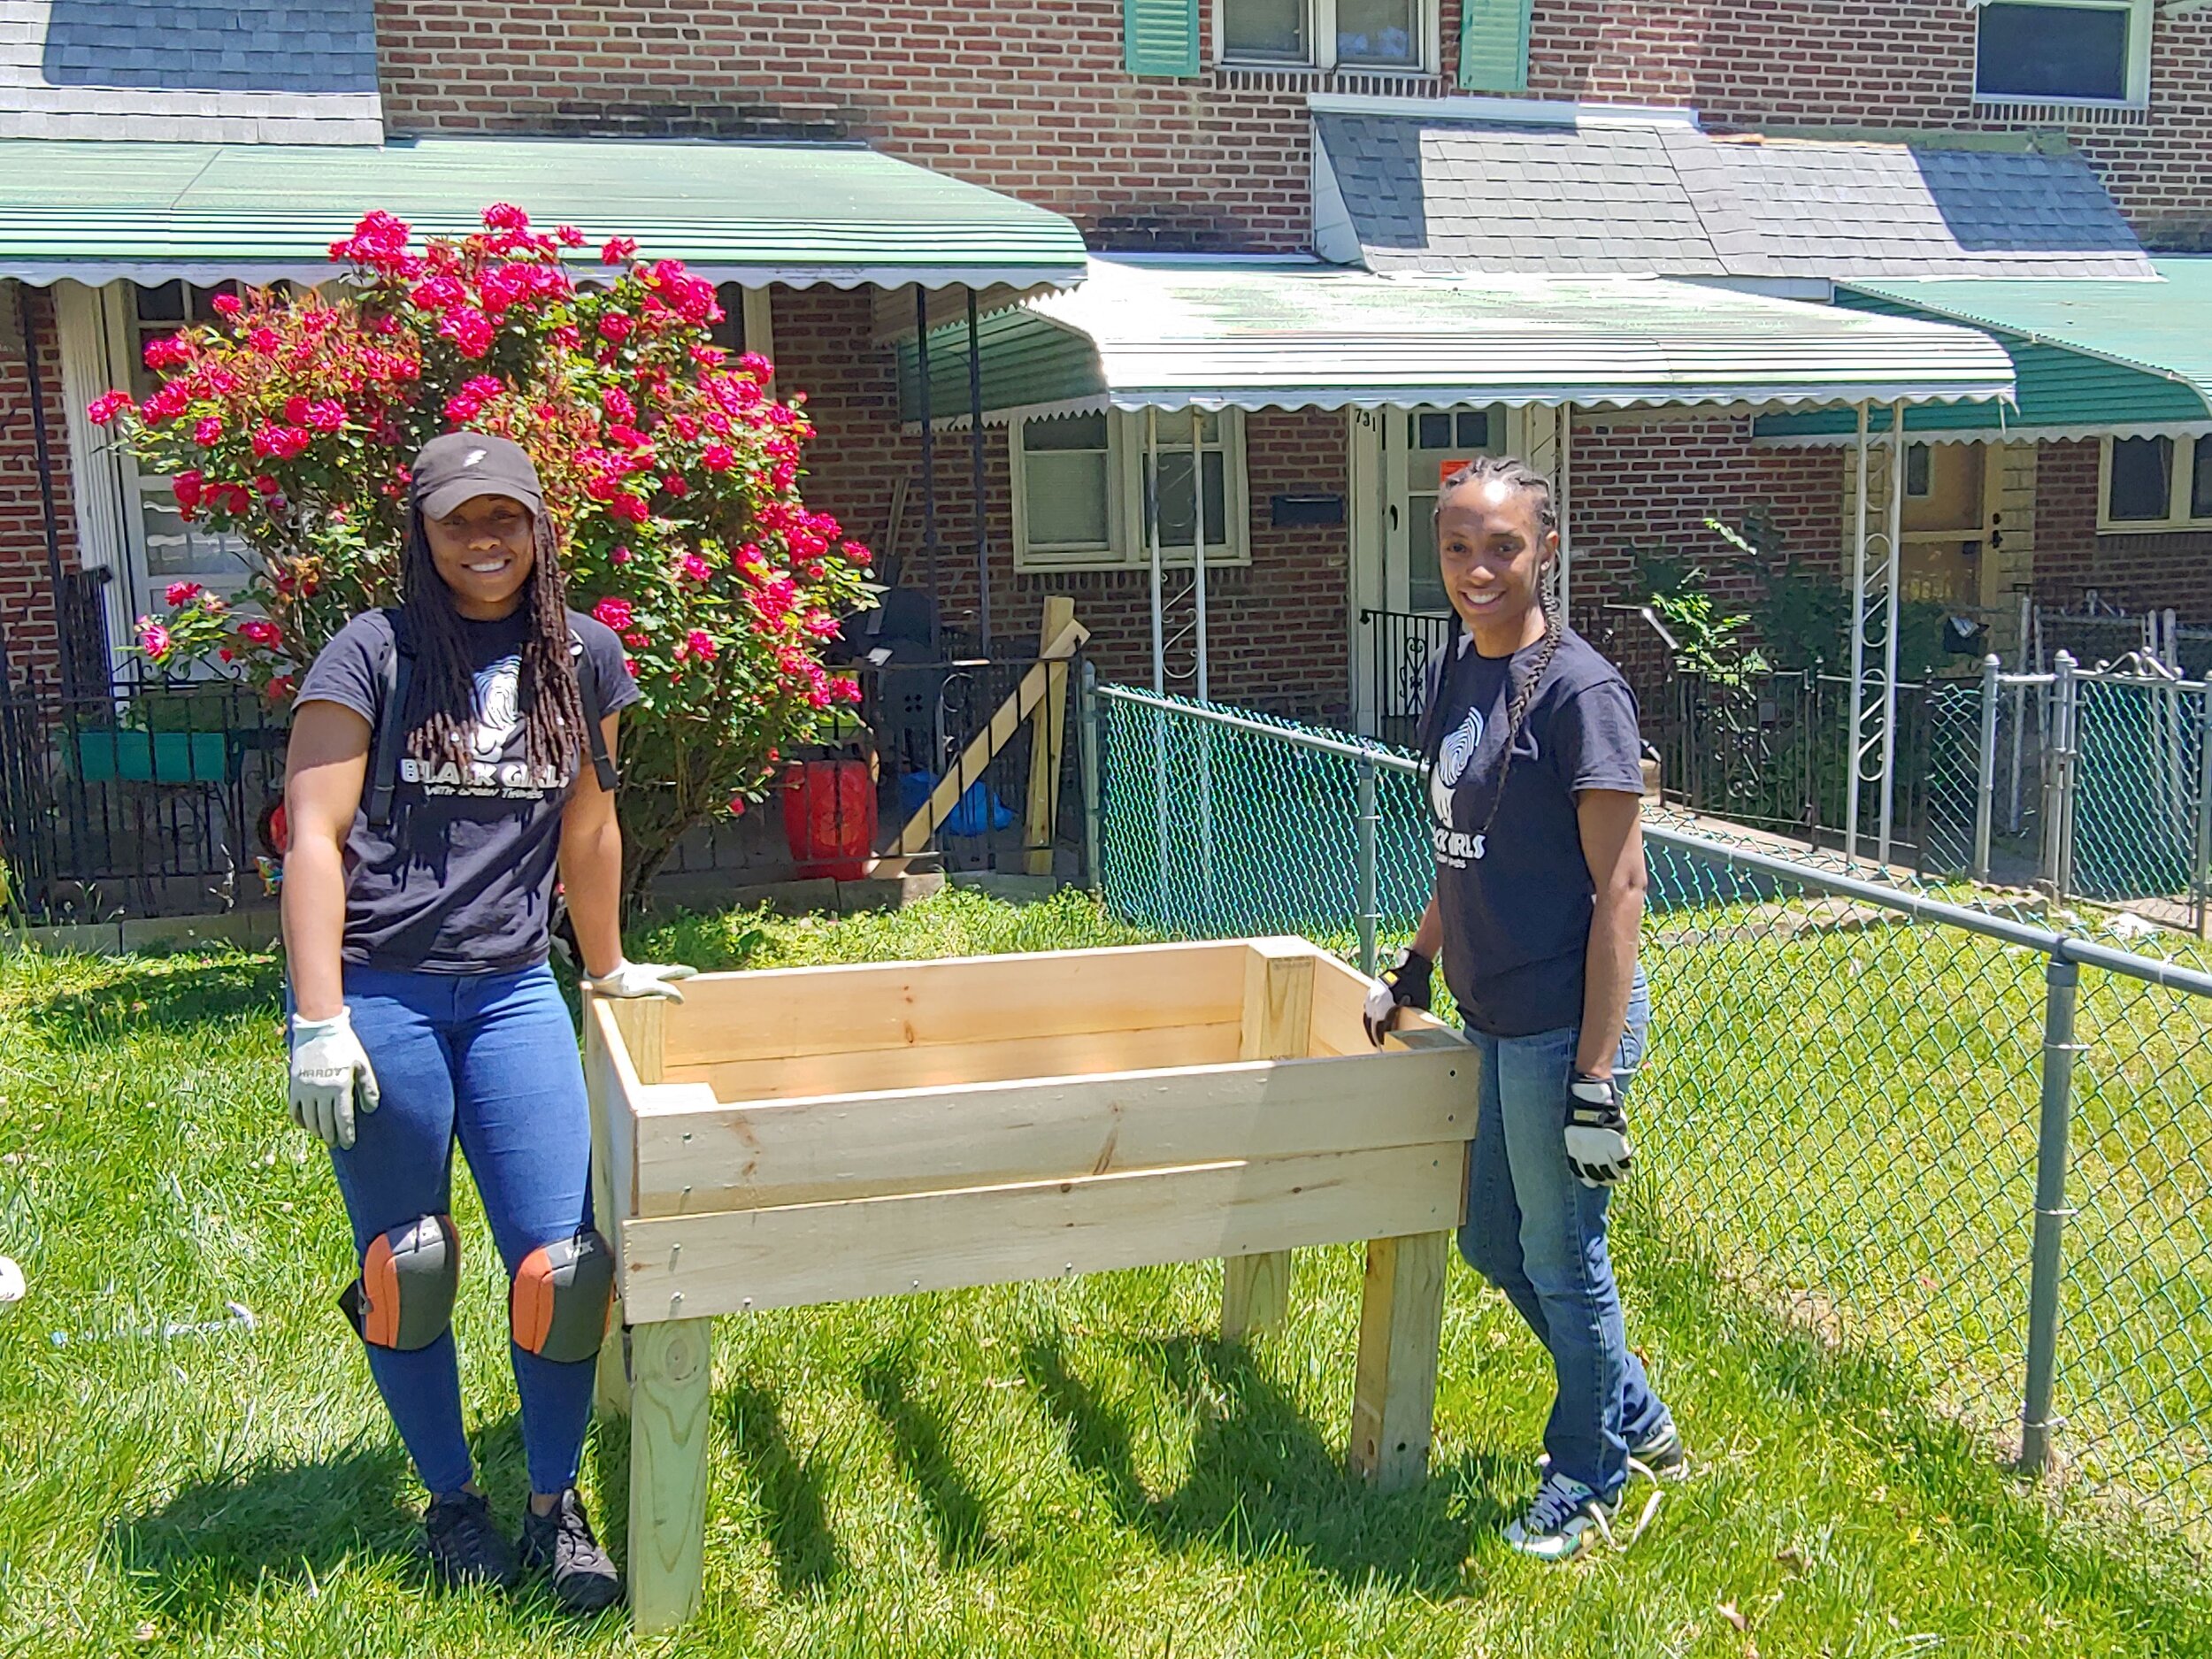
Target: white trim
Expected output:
[1515,112]
[1996,434]
[1320,24]
[759,321]
[2138,68]
[1335,237]
[2179,487]
[1128,525]
[260,271]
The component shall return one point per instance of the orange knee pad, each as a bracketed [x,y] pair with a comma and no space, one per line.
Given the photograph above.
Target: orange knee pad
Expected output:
[409,1275]
[561,1294]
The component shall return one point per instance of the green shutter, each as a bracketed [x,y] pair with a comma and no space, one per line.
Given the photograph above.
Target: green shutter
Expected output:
[1160,37]
[1493,45]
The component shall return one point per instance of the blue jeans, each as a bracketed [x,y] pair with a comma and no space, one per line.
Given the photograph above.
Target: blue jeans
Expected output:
[488,1060]
[1539,1234]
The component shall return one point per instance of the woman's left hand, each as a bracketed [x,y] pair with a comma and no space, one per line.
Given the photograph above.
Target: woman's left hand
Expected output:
[641,979]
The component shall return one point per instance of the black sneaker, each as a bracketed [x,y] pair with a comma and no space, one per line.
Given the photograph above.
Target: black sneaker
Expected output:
[465,1546]
[560,1543]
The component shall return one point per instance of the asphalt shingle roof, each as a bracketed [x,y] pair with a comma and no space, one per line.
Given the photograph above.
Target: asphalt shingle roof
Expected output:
[264,71]
[1669,200]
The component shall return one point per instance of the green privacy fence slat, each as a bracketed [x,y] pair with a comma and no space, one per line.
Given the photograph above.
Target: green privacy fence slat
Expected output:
[1160,37]
[1493,45]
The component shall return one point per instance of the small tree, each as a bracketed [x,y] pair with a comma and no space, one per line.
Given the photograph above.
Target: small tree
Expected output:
[671,470]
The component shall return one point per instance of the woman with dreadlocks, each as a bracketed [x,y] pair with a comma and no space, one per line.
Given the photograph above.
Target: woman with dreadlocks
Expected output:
[448,756]
[1534,778]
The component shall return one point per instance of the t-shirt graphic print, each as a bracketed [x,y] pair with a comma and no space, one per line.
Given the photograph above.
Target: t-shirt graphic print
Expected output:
[495,770]
[1456,844]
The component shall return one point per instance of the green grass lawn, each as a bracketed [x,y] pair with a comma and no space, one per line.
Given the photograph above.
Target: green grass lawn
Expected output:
[1068,1467]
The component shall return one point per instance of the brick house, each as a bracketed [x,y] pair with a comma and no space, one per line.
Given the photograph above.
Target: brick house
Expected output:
[1708,169]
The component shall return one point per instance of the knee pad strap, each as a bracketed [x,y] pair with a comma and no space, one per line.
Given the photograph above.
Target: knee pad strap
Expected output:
[409,1276]
[563,1292]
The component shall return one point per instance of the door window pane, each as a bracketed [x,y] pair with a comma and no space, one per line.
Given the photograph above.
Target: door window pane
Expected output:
[1175,500]
[1064,482]
[2040,51]
[2201,481]
[1376,32]
[1273,29]
[2142,479]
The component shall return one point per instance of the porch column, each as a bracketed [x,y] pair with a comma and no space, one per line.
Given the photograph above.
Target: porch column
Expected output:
[982,521]
[1198,536]
[1559,496]
[929,471]
[1151,502]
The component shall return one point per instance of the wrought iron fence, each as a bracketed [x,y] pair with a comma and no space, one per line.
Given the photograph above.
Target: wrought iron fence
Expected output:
[1942,1139]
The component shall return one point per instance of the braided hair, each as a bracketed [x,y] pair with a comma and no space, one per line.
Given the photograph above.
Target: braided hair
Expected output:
[546,696]
[1517,475]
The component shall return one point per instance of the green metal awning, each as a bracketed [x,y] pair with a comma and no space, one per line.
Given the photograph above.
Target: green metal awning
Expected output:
[743,212]
[1262,332]
[2094,357]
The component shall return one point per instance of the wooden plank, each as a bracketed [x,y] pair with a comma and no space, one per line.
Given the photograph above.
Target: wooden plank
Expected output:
[686,1267]
[610,1082]
[673,1361]
[644,1023]
[1004,722]
[875,1071]
[1279,982]
[1340,1001]
[776,1013]
[1045,742]
[1400,1326]
[759,1155]
[610,1387]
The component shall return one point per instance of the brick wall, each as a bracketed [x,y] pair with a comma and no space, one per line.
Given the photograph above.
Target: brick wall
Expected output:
[2136,572]
[1030,95]
[26,589]
[1276,630]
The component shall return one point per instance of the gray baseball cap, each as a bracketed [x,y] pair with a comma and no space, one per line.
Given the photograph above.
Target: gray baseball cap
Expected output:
[452,469]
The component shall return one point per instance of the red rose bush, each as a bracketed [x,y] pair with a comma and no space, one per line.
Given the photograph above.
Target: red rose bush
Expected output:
[673,469]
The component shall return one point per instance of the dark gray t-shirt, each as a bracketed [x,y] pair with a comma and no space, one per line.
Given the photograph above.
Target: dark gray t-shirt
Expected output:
[1516,902]
[461,879]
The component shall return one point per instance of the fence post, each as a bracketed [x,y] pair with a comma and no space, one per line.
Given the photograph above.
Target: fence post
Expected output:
[1087,725]
[2058,785]
[1986,772]
[1369,886]
[2061,979]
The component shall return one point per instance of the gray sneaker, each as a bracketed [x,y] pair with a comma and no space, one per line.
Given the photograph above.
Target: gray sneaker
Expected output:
[1560,1521]
[1657,1455]
[559,1543]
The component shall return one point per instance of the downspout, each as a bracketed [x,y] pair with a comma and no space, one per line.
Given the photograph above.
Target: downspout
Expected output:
[982,522]
[929,473]
[45,453]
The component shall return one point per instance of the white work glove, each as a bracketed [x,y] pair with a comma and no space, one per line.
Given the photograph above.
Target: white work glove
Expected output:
[330,1070]
[1597,1132]
[1404,984]
[642,979]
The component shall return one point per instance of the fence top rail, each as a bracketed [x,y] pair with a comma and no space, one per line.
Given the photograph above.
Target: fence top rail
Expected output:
[2046,941]
[1296,736]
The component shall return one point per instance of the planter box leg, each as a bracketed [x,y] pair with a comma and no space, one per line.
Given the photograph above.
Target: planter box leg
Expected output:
[1255,1294]
[1400,1324]
[672,1368]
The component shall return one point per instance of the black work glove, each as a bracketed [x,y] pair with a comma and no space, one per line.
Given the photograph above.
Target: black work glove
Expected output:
[1404,984]
[1597,1131]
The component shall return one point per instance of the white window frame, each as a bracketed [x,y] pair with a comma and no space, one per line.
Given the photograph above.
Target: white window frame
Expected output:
[2138,64]
[1127,545]
[2177,492]
[1321,43]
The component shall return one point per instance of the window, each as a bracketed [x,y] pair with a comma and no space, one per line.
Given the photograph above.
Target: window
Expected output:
[2031,51]
[1439,442]
[170,549]
[2156,484]
[1919,465]
[1083,486]
[1384,34]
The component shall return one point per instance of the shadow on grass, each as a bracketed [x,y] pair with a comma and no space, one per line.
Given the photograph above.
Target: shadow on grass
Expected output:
[1263,1475]
[176,999]
[1887,1406]
[956,1514]
[202,1554]
[788,1486]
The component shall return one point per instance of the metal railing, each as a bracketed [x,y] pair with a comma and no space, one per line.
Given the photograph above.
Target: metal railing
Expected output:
[1942,1138]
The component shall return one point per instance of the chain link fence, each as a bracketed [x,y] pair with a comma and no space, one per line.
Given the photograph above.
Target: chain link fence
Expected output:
[1940,1139]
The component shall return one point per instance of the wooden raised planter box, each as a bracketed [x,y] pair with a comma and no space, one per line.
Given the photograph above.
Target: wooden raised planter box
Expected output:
[823,1134]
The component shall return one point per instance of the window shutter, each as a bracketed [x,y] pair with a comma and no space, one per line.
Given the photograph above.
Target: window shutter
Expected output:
[1493,45]
[1160,37]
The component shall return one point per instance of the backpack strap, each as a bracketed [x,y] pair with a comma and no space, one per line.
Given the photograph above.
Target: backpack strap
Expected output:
[399,670]
[594,714]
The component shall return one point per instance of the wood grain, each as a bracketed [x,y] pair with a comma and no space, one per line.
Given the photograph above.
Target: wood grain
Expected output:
[1400,1326]
[672,1364]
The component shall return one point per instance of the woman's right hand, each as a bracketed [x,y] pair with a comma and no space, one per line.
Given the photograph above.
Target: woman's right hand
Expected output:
[330,1071]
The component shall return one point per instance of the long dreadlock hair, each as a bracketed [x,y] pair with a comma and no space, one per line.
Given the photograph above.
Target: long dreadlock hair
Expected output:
[1518,475]
[444,689]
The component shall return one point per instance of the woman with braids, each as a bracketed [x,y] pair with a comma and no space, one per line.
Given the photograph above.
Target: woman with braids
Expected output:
[1534,779]
[447,756]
